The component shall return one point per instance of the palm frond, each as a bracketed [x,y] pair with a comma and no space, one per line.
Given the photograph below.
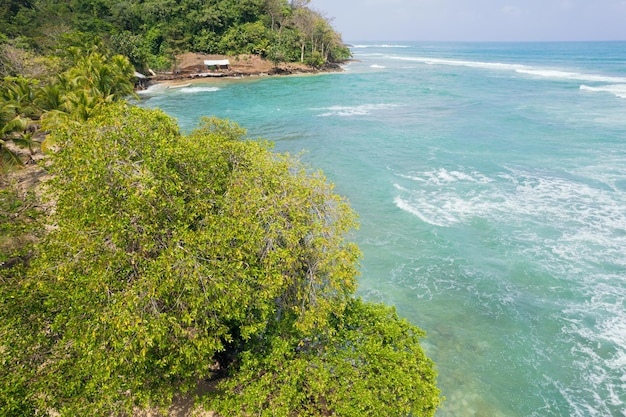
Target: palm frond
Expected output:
[8,159]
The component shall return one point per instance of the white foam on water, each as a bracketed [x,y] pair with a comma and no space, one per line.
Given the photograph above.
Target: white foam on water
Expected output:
[193,90]
[410,208]
[379,46]
[570,229]
[618,90]
[372,54]
[348,111]
[438,203]
[574,215]
[461,63]
[376,66]
[538,72]
[443,176]
[599,358]
[567,75]
[597,331]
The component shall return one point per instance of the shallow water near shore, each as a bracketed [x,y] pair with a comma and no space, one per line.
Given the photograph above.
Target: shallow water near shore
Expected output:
[490,181]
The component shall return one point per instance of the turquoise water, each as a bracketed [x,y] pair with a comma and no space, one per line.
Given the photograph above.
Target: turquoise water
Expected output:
[490,180]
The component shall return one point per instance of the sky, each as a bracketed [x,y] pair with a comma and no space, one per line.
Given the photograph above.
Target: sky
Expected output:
[476,20]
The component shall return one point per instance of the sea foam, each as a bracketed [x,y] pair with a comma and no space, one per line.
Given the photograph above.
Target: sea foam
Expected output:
[348,111]
[577,224]
[462,63]
[534,71]
[619,90]
[567,75]
[363,46]
[193,90]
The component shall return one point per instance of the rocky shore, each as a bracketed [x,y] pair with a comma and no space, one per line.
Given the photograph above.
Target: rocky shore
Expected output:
[190,66]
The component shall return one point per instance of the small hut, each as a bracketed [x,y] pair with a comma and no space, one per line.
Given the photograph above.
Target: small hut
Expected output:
[216,64]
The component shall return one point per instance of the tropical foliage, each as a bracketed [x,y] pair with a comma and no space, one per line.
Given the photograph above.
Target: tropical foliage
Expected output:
[20,227]
[368,362]
[77,93]
[151,32]
[17,112]
[172,253]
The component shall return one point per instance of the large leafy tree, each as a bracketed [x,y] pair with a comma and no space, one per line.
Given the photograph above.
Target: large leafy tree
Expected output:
[172,252]
[169,249]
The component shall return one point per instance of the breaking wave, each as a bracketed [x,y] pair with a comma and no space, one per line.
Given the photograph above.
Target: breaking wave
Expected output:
[618,90]
[193,90]
[348,111]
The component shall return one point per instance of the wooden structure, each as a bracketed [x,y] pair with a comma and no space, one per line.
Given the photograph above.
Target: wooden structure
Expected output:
[216,64]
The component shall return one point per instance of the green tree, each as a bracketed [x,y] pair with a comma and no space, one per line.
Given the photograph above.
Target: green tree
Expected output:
[169,249]
[249,38]
[20,92]
[18,113]
[80,92]
[131,46]
[102,77]
[150,31]
[368,362]
[276,10]
[303,20]
[11,125]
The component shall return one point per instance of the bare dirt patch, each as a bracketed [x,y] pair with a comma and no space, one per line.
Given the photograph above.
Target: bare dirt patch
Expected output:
[190,65]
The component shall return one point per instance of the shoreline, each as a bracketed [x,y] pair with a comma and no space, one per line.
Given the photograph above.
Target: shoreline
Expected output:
[191,70]
[182,82]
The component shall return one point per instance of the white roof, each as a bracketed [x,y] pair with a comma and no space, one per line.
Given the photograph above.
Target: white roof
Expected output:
[215,62]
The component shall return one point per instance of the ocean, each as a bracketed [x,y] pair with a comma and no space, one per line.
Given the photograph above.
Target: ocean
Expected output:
[490,182]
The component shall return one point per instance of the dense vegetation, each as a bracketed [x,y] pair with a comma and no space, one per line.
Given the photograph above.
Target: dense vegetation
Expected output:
[164,259]
[172,253]
[151,32]
[27,104]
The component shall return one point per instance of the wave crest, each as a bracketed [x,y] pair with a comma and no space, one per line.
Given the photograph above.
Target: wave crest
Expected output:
[528,70]
[360,110]
[619,90]
[192,90]
[383,45]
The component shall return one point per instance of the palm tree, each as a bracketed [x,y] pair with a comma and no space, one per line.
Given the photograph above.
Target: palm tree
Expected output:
[108,79]
[20,92]
[50,97]
[18,112]
[10,124]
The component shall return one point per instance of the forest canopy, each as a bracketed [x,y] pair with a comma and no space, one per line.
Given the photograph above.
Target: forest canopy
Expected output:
[150,33]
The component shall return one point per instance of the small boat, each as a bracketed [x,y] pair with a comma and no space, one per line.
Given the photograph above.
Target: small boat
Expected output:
[179,85]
